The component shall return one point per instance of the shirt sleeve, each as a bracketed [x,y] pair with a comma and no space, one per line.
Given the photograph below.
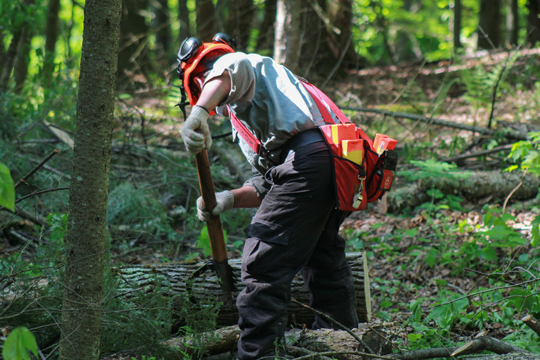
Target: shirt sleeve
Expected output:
[259,183]
[242,77]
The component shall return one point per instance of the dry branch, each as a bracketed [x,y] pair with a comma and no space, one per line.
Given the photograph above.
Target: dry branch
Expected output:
[478,345]
[532,323]
[430,120]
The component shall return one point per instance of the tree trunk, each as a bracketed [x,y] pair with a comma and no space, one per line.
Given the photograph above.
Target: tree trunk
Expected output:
[10,60]
[205,20]
[533,22]
[512,22]
[183,17]
[479,185]
[85,241]
[489,24]
[132,58]
[2,52]
[287,41]
[163,32]
[20,69]
[457,24]
[265,39]
[51,35]
[340,14]
[239,21]
[175,276]
[224,340]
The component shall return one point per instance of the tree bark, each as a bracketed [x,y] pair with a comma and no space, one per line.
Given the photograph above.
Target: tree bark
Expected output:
[205,20]
[163,31]
[340,14]
[265,39]
[175,276]
[86,235]
[239,21]
[512,22]
[489,24]
[183,17]
[287,41]
[20,70]
[51,35]
[533,22]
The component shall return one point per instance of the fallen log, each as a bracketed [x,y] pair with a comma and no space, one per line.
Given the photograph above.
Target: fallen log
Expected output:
[479,185]
[173,279]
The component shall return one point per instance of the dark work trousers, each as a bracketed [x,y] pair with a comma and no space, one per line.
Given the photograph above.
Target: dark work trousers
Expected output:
[295,229]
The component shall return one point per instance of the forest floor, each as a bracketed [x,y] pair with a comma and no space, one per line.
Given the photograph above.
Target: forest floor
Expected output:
[418,258]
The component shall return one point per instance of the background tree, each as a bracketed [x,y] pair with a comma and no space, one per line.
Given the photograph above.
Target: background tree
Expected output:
[457,24]
[133,58]
[287,41]
[162,27]
[239,19]
[51,35]
[183,17]
[205,19]
[86,235]
[512,22]
[489,24]
[265,38]
[533,22]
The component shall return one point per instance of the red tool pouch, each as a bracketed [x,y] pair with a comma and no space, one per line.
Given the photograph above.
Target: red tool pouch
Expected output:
[361,174]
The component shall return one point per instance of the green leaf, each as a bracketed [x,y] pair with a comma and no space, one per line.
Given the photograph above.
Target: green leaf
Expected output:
[7,188]
[18,343]
[383,315]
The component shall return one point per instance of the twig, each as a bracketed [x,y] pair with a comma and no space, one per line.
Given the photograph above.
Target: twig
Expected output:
[477,154]
[485,291]
[532,323]
[331,353]
[33,171]
[494,95]
[339,325]
[514,190]
[480,344]
[429,120]
[40,192]
[298,351]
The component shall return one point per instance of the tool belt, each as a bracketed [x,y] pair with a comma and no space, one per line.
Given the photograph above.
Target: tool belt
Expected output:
[300,139]
[363,170]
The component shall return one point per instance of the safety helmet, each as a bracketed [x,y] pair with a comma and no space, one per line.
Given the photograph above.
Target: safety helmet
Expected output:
[190,56]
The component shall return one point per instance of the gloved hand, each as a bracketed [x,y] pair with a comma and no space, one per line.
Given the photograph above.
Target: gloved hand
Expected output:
[225,201]
[195,141]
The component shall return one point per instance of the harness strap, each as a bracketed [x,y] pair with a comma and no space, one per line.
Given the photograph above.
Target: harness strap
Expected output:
[244,133]
[318,96]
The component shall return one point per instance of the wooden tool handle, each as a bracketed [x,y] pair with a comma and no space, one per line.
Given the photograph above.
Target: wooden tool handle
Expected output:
[215,229]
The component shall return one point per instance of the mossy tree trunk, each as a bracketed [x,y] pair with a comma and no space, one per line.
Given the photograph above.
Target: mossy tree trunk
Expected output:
[183,17]
[85,240]
[20,69]
[533,22]
[239,19]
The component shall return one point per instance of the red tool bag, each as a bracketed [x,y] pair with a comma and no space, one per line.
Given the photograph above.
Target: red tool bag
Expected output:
[363,170]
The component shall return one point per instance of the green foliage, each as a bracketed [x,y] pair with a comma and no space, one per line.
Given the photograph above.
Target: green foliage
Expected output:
[18,343]
[526,154]
[7,188]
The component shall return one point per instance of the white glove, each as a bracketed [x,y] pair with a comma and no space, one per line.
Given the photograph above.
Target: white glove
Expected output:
[225,201]
[195,141]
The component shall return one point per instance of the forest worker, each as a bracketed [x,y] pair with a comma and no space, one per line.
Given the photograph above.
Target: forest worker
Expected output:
[296,226]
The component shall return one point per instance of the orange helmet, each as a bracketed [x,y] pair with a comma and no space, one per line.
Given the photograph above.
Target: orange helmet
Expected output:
[191,53]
